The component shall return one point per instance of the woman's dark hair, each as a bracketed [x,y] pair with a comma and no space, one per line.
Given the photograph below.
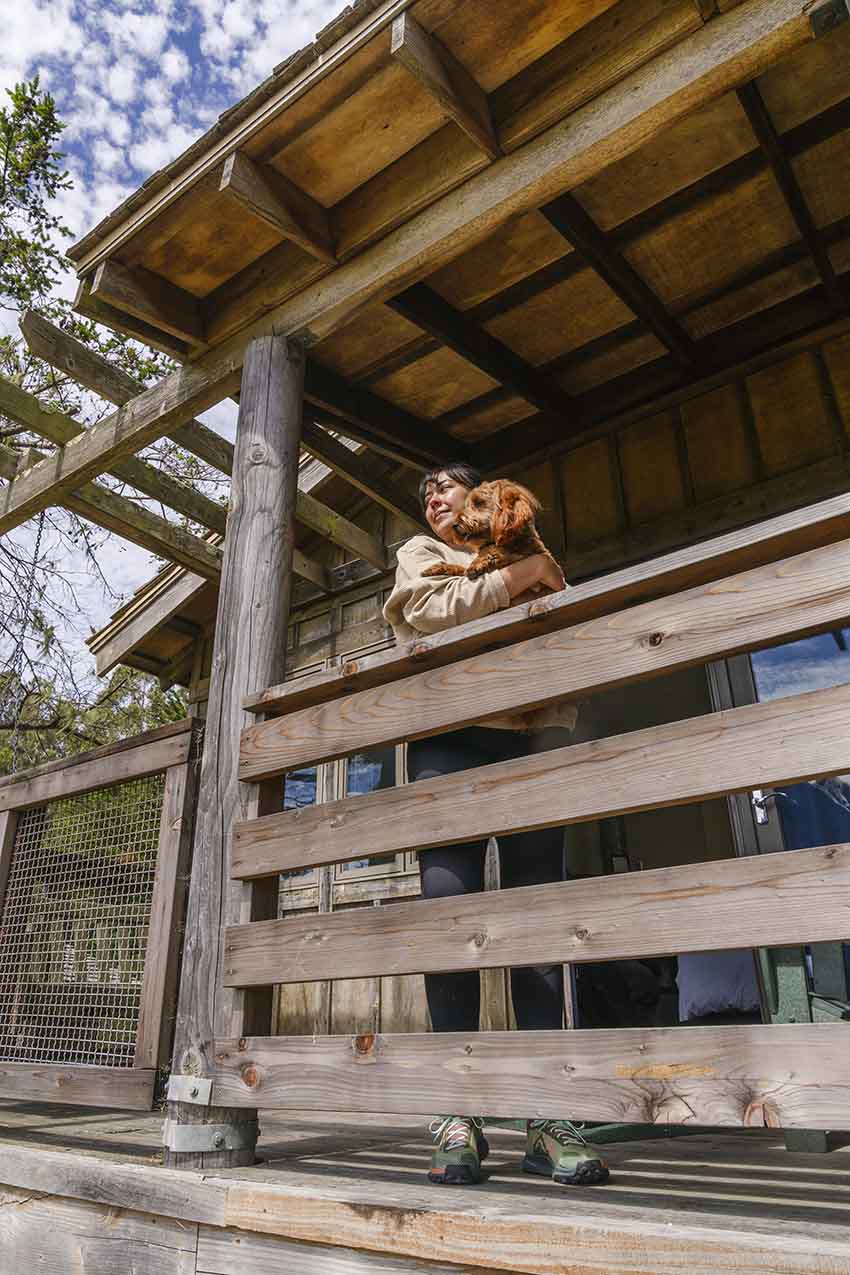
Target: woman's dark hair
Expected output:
[466,475]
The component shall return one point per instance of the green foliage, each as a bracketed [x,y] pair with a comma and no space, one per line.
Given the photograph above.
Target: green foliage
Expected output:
[60,706]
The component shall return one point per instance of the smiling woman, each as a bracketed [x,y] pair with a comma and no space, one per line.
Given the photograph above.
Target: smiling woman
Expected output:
[420,603]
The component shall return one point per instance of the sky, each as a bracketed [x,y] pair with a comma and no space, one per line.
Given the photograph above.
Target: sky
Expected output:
[136,82]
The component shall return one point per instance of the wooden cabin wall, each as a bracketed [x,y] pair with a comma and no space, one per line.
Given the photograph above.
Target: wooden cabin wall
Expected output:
[729,455]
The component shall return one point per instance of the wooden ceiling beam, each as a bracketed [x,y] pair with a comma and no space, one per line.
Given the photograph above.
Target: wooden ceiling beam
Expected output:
[263,191]
[749,95]
[95,308]
[448,82]
[363,472]
[26,410]
[132,522]
[149,297]
[427,309]
[570,220]
[340,530]
[389,428]
[90,369]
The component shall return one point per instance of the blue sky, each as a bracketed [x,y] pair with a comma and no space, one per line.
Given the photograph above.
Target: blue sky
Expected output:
[136,83]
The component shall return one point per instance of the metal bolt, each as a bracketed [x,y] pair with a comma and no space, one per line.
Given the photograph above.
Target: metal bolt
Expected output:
[193,1092]
[218,1139]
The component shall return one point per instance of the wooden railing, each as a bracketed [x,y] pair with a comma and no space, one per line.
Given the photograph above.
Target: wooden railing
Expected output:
[79,881]
[783,580]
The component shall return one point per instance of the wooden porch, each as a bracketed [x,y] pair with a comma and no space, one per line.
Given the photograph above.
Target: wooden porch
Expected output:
[337,1195]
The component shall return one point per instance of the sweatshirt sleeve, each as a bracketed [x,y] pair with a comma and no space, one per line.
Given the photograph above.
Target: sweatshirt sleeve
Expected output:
[430,604]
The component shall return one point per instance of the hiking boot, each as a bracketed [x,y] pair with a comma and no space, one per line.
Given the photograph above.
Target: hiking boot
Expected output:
[555,1149]
[460,1148]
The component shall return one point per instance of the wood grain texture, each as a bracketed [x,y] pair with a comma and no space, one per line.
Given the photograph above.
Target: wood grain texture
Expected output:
[340,530]
[798,897]
[364,472]
[767,542]
[753,1076]
[56,1236]
[266,193]
[151,298]
[747,611]
[131,759]
[445,79]
[250,645]
[122,1088]
[159,982]
[784,741]
[8,829]
[232,1252]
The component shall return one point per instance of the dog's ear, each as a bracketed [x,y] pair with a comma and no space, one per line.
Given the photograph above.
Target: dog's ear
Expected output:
[516,507]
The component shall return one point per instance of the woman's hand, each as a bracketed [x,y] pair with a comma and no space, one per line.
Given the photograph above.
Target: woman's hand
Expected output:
[532,575]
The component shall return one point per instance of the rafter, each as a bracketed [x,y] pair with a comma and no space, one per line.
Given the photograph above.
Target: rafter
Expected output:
[26,410]
[441,75]
[749,95]
[363,472]
[569,218]
[340,530]
[263,191]
[92,307]
[92,370]
[132,522]
[149,297]
[427,309]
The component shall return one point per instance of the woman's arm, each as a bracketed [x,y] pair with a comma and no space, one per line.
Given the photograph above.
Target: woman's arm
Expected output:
[538,571]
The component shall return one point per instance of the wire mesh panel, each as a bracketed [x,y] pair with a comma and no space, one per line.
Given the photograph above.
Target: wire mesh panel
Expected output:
[74,926]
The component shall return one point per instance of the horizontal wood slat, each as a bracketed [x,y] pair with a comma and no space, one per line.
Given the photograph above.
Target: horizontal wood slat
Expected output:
[800,896]
[791,1076]
[785,600]
[766,542]
[100,768]
[801,737]
[127,1088]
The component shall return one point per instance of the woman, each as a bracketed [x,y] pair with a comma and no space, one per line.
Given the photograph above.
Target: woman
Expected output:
[427,604]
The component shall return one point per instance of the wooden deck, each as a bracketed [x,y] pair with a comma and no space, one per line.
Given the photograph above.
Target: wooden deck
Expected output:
[338,1195]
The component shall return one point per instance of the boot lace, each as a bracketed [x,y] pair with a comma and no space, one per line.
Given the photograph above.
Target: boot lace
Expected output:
[454,1132]
[562,1130]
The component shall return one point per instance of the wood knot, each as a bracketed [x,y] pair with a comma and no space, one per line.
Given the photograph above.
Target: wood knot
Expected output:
[364,1044]
[349,669]
[257,454]
[242,1044]
[480,940]
[250,1076]
[655,639]
[581,935]
[419,650]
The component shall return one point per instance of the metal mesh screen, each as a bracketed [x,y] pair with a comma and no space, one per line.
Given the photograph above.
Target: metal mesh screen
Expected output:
[74,926]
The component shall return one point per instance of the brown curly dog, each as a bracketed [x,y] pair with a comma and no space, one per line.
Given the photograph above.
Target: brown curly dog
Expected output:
[498,517]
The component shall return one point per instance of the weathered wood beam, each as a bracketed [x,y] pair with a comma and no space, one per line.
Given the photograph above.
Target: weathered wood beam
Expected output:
[363,472]
[440,74]
[151,298]
[95,308]
[569,218]
[429,311]
[90,369]
[758,901]
[263,191]
[340,530]
[249,646]
[26,410]
[784,741]
[142,420]
[376,421]
[743,612]
[132,522]
[120,1088]
[752,1076]
[762,125]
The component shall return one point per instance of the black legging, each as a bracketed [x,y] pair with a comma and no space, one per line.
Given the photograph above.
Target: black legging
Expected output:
[527,858]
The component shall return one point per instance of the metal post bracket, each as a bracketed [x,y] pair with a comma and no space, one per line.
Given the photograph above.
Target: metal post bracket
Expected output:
[195,1089]
[209,1137]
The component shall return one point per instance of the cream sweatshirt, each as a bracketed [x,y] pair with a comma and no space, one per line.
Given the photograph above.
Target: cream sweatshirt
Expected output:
[428,604]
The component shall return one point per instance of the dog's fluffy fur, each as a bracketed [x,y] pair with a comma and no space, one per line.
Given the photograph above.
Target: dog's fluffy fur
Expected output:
[498,518]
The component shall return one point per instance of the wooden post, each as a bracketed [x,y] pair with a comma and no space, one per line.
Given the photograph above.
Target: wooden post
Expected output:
[248,654]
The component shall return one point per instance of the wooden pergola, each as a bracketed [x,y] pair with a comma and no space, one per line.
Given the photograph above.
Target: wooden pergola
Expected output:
[602,245]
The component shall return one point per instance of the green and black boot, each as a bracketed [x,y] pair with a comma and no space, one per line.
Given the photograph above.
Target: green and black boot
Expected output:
[555,1149]
[460,1146]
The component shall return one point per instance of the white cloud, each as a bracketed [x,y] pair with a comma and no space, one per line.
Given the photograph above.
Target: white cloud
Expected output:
[122,81]
[174,64]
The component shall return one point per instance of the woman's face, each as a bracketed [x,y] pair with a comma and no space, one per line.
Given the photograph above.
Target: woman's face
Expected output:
[444,500]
